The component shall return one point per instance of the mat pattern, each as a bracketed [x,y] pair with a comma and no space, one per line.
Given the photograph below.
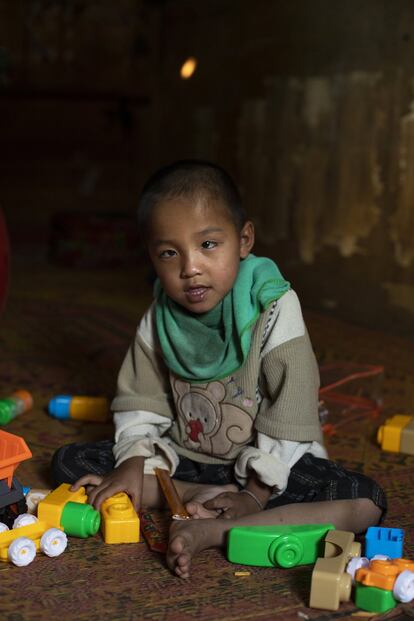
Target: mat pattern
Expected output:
[67,332]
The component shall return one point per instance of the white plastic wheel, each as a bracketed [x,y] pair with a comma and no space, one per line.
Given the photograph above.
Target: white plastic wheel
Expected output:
[24,519]
[21,551]
[53,542]
[3,527]
[403,590]
[356,563]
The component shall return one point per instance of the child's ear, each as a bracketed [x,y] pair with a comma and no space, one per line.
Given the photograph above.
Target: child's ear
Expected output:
[246,239]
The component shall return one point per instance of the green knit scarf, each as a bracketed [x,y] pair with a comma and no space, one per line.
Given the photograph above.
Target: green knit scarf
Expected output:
[213,345]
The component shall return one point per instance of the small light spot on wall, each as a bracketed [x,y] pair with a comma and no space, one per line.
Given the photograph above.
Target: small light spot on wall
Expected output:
[188,68]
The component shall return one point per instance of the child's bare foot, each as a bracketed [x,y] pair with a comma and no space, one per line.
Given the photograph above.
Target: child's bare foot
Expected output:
[194,503]
[187,539]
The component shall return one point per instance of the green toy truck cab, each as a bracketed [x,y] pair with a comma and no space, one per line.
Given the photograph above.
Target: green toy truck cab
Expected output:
[283,546]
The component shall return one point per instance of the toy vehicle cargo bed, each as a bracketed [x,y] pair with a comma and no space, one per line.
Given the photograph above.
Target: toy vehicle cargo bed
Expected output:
[13,450]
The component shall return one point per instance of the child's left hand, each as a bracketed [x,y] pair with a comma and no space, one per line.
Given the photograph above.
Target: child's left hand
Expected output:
[232,504]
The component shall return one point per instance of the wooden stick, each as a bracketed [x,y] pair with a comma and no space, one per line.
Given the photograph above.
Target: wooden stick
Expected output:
[177,508]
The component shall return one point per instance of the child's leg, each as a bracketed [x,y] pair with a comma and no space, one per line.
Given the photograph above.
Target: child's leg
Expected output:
[187,538]
[194,495]
[73,461]
[197,482]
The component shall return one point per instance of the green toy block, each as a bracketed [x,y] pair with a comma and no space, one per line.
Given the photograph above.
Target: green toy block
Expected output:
[374,599]
[283,546]
[80,520]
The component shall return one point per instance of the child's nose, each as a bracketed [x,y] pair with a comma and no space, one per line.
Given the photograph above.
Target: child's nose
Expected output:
[190,267]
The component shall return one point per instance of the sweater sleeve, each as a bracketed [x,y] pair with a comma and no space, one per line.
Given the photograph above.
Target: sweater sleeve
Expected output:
[143,405]
[143,380]
[272,460]
[143,434]
[289,378]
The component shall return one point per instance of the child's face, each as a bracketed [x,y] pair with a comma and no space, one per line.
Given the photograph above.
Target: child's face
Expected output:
[196,249]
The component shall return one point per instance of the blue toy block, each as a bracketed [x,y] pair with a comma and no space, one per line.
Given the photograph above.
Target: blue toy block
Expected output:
[388,541]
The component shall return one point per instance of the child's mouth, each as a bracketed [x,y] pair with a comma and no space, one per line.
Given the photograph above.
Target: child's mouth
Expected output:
[196,294]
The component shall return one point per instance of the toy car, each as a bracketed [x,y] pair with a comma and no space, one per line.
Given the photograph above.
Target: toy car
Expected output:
[19,545]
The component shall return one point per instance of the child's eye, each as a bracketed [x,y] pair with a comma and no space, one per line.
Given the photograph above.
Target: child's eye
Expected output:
[166,254]
[208,244]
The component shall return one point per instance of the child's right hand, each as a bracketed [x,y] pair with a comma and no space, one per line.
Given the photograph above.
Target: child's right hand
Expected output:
[127,477]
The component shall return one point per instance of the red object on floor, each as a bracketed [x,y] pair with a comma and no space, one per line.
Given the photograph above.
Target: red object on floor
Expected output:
[4,260]
[349,392]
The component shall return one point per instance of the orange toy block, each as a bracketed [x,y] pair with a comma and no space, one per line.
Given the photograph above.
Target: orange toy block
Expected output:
[119,520]
[382,574]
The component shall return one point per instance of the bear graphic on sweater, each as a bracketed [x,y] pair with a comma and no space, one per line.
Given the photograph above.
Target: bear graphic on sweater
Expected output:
[208,424]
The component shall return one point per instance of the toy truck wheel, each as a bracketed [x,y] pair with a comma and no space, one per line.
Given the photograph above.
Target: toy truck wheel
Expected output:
[286,551]
[21,551]
[403,590]
[356,563]
[53,542]
[24,519]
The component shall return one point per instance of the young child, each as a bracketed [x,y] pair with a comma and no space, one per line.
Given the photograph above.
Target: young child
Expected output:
[220,385]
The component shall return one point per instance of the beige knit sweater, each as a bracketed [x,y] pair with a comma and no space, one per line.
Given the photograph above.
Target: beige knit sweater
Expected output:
[273,396]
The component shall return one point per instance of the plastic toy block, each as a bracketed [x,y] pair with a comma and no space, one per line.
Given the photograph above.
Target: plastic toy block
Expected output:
[283,546]
[383,574]
[33,531]
[120,522]
[387,541]
[330,584]
[373,599]
[92,409]
[407,438]
[69,510]
[50,509]
[80,520]
[19,402]
[389,434]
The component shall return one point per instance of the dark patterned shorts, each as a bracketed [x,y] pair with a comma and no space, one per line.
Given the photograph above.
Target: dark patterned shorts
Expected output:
[311,479]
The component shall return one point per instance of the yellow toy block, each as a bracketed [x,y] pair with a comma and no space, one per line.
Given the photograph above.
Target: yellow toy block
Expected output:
[50,508]
[389,434]
[330,584]
[119,520]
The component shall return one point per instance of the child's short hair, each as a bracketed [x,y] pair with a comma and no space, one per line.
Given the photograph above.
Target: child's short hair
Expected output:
[190,178]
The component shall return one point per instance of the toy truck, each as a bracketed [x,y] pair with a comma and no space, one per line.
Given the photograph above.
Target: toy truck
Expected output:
[19,545]
[13,450]
[384,583]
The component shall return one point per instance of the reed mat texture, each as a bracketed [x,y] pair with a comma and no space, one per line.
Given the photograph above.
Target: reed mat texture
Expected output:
[67,332]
